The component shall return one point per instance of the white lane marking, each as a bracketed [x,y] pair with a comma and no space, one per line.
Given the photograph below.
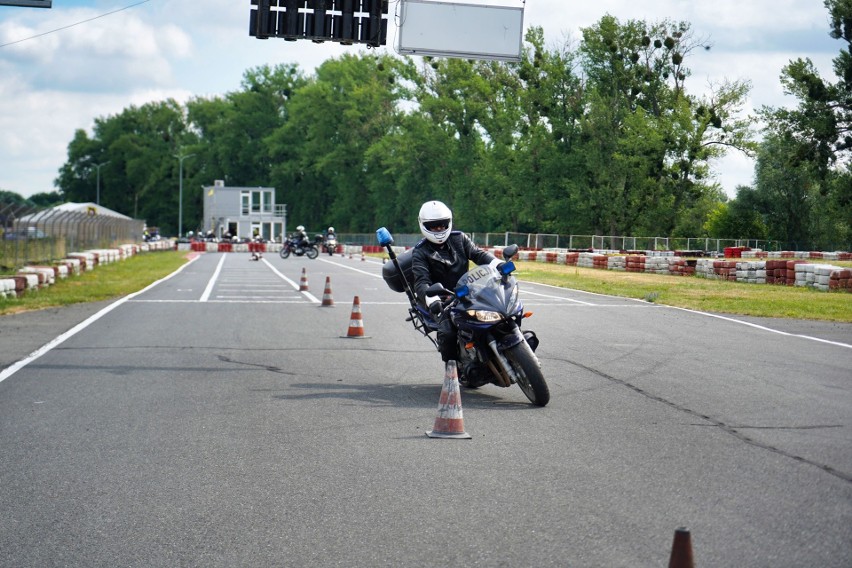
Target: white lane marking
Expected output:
[15,367]
[351,268]
[299,301]
[528,293]
[764,328]
[213,278]
[308,295]
[730,319]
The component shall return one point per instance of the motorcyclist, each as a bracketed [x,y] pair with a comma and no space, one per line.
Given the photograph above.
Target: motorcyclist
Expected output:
[443,256]
[300,237]
[330,241]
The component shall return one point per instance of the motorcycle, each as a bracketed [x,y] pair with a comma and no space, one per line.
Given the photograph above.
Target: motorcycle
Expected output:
[330,245]
[295,246]
[486,310]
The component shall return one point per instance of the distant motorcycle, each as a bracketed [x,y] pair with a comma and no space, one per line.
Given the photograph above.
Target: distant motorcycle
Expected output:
[297,247]
[330,245]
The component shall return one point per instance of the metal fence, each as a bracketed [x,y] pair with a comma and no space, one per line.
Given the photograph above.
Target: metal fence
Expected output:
[541,241]
[31,235]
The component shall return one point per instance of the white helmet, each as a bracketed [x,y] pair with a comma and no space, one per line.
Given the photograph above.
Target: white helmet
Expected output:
[331,229]
[300,228]
[436,221]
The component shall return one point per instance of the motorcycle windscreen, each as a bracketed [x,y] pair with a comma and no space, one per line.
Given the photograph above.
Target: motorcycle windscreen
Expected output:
[486,290]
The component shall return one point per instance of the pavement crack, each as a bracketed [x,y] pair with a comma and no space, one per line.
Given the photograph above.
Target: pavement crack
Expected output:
[729,429]
[270,368]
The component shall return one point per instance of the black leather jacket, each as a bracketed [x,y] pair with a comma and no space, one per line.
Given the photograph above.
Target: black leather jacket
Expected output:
[431,263]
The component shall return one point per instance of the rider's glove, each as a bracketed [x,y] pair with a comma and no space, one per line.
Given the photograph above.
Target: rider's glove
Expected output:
[436,308]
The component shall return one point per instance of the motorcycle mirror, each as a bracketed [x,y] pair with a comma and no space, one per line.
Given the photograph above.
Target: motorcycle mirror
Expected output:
[509,252]
[384,236]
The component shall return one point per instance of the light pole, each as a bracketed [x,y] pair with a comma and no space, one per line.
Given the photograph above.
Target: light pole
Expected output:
[98,166]
[180,192]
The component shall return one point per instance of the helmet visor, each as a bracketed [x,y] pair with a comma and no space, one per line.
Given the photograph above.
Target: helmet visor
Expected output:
[437,225]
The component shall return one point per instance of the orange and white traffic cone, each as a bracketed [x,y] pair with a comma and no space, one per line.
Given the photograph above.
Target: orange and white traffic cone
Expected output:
[356,326]
[326,294]
[303,283]
[450,422]
[681,550]
[363,258]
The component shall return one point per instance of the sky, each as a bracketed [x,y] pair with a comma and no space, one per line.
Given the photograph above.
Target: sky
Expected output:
[63,67]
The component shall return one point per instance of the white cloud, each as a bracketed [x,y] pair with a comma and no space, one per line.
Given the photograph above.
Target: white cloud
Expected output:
[61,81]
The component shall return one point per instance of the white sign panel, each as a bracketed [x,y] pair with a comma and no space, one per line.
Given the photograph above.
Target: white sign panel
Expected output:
[471,31]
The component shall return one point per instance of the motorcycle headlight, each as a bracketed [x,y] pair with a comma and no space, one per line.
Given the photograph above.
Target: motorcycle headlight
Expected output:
[483,315]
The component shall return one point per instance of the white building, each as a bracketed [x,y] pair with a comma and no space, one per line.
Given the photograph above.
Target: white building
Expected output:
[242,210]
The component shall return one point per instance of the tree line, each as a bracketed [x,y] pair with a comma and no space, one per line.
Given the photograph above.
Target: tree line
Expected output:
[599,137]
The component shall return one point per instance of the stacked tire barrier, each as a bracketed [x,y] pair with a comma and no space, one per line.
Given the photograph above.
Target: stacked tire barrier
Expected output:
[782,272]
[824,277]
[776,269]
[35,277]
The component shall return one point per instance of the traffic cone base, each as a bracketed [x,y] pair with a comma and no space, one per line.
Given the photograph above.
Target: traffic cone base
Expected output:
[356,325]
[450,422]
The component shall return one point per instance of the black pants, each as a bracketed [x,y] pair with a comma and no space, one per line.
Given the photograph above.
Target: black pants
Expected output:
[448,339]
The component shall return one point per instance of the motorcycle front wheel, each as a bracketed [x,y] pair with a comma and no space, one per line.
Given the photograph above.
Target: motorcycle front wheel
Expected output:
[530,378]
[285,252]
[311,252]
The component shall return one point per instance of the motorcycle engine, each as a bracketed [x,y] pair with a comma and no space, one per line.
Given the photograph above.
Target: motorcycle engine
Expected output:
[475,374]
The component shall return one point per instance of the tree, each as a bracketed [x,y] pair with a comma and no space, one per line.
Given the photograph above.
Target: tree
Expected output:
[785,187]
[649,143]
[318,154]
[11,198]
[47,199]
[813,139]
[738,219]
[140,175]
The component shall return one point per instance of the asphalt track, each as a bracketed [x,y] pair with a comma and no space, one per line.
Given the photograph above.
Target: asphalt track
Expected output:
[219,418]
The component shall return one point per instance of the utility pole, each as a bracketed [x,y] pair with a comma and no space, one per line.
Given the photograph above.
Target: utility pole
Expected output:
[98,166]
[180,192]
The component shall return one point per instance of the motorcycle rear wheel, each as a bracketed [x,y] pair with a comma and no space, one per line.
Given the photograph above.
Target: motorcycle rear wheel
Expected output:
[530,378]
[311,252]
[285,252]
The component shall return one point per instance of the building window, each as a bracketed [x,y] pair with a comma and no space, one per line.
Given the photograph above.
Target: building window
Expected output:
[257,201]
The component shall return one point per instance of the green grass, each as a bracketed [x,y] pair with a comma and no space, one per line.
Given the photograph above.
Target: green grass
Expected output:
[718,296]
[104,283]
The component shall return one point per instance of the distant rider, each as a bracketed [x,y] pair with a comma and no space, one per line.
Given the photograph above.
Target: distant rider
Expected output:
[443,256]
[300,237]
